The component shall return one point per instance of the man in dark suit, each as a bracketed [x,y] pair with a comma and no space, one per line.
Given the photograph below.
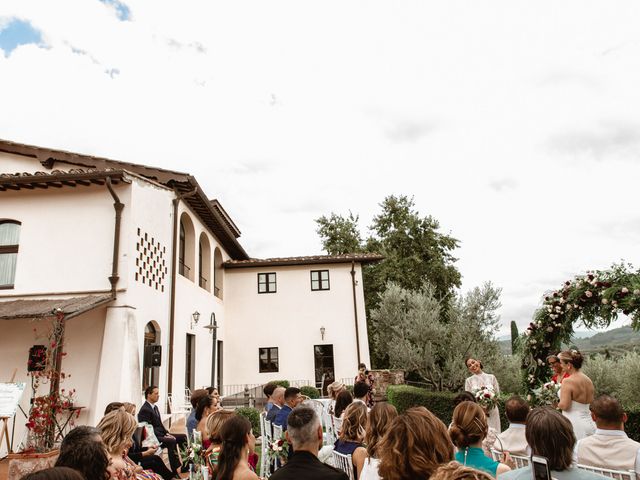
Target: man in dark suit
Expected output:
[292,398]
[304,433]
[277,399]
[149,413]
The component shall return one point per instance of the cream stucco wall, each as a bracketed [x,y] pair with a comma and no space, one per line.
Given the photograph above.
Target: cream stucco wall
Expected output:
[291,320]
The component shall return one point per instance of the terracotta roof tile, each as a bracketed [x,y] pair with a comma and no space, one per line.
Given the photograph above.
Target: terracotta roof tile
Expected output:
[306,260]
[41,308]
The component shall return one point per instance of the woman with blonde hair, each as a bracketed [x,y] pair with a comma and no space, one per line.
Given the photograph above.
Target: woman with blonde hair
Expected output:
[380,418]
[468,429]
[576,394]
[214,424]
[455,471]
[415,444]
[116,429]
[333,390]
[350,441]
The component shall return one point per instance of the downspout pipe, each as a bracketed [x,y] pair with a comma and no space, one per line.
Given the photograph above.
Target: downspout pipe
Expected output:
[118,206]
[355,307]
[172,306]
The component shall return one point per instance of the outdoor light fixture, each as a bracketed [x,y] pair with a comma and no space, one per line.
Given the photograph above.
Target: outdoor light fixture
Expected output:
[322,330]
[195,316]
[213,325]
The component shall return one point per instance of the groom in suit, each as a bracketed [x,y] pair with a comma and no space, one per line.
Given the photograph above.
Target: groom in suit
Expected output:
[149,413]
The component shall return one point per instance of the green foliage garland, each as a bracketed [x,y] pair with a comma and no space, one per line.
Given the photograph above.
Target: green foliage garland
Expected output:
[596,299]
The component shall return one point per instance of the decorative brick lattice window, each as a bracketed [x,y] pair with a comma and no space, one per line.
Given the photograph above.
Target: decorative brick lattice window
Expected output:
[151,268]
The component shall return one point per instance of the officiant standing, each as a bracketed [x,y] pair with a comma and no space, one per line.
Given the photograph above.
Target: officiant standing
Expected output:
[478,380]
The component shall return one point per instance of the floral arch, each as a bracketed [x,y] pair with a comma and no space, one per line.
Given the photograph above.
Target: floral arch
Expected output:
[596,299]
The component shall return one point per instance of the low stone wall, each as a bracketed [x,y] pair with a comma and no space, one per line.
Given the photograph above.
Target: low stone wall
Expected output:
[381,381]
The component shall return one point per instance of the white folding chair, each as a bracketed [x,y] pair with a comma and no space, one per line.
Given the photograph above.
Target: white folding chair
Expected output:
[616,474]
[330,436]
[264,461]
[337,424]
[344,463]
[519,460]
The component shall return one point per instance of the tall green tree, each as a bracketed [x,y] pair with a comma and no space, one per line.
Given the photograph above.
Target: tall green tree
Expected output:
[415,251]
[409,327]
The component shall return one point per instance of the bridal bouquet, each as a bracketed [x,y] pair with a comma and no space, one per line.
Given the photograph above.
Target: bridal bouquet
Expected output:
[485,397]
[547,394]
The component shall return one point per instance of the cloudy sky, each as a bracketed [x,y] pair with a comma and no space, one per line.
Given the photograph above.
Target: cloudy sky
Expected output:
[515,124]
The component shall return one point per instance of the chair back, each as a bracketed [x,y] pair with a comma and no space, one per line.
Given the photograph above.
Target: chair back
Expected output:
[343,462]
[277,431]
[330,435]
[519,460]
[616,474]
[337,425]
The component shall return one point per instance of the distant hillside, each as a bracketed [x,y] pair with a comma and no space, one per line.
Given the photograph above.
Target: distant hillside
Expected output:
[614,342]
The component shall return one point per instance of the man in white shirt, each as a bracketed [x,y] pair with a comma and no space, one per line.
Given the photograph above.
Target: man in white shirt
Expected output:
[609,447]
[512,440]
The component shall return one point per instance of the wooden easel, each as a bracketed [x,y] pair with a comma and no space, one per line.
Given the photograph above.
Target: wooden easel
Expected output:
[4,422]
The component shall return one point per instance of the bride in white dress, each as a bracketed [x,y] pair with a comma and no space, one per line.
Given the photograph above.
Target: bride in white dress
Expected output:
[481,379]
[576,394]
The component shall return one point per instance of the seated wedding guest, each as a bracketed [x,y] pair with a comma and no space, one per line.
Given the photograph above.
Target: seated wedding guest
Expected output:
[268,390]
[380,418]
[277,398]
[292,398]
[513,440]
[609,447]
[192,423]
[550,435]
[361,393]
[490,440]
[351,437]
[150,413]
[214,425]
[304,433]
[206,406]
[455,471]
[415,445]
[116,429]
[333,390]
[468,429]
[145,456]
[55,473]
[237,443]
[343,400]
[82,449]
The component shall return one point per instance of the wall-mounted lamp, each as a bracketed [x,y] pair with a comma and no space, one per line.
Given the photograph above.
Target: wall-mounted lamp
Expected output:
[322,330]
[213,325]
[195,316]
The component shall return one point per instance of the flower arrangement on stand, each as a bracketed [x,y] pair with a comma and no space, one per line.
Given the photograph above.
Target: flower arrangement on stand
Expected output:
[278,449]
[595,299]
[194,455]
[485,397]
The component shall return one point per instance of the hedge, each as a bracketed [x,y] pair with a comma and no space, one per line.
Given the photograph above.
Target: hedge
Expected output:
[282,383]
[441,404]
[309,391]
[253,415]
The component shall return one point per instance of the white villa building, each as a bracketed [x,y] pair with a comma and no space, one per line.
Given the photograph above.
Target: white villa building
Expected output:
[144,266]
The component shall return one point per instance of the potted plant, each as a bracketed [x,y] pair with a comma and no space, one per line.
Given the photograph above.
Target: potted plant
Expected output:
[39,452]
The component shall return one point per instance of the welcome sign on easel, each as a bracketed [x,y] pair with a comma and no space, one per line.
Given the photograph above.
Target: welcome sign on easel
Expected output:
[10,394]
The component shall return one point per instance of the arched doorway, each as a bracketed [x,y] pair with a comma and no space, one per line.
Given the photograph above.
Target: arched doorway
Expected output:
[150,373]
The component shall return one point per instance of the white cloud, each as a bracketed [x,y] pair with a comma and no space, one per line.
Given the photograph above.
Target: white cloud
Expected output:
[456,103]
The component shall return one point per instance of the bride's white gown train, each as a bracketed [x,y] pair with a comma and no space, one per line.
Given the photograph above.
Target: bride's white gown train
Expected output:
[580,417]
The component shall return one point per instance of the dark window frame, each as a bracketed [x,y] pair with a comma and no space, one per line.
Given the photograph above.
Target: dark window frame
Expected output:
[269,360]
[267,283]
[10,250]
[319,281]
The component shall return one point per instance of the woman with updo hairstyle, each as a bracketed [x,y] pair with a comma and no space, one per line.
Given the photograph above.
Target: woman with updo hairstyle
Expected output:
[576,394]
[206,406]
[415,445]
[380,418]
[214,425]
[468,429]
[237,442]
[480,379]
[351,437]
